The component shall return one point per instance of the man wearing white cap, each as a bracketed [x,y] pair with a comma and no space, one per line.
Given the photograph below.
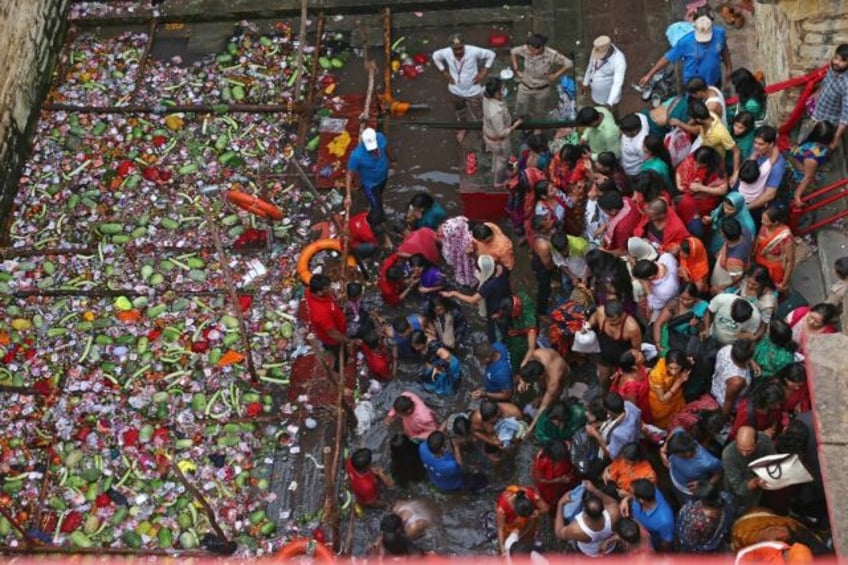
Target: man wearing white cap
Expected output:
[464,67]
[542,67]
[605,73]
[370,160]
[701,52]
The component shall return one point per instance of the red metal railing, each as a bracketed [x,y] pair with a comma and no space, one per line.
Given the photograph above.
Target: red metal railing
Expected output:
[830,193]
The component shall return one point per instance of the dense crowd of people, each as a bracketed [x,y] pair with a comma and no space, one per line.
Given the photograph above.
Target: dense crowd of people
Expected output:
[662,282]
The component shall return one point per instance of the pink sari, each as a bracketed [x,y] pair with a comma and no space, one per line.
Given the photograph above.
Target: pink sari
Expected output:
[456,239]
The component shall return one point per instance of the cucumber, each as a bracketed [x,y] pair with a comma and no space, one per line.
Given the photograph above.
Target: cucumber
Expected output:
[131,539]
[79,539]
[196,263]
[110,228]
[230,220]
[257,517]
[224,58]
[166,538]
[169,223]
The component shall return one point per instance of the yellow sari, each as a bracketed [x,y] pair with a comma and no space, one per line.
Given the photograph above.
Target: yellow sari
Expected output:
[663,412]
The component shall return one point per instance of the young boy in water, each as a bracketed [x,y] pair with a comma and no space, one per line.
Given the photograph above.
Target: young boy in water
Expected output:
[365,478]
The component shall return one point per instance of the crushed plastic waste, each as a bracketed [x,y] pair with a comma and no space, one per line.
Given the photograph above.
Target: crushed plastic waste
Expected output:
[117,341]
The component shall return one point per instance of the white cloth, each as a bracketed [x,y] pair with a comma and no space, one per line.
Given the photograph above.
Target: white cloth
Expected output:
[632,153]
[716,95]
[726,369]
[666,288]
[593,548]
[465,69]
[606,77]
[752,191]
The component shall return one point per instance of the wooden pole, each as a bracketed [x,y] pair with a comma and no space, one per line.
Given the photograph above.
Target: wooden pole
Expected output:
[142,65]
[231,289]
[301,45]
[210,513]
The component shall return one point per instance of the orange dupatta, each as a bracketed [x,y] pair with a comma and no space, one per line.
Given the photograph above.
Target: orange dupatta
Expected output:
[696,265]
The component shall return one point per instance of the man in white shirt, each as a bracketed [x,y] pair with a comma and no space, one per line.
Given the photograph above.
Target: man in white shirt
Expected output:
[605,73]
[464,67]
[634,130]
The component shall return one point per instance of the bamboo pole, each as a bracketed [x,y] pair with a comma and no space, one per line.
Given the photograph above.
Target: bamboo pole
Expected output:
[198,496]
[307,113]
[231,290]
[30,252]
[100,551]
[301,45]
[142,65]
[177,108]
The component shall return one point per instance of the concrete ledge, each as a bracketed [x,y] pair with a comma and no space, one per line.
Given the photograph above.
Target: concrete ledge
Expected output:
[828,372]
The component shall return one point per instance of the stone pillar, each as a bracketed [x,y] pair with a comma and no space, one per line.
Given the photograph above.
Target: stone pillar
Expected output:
[828,378]
[793,38]
[30,34]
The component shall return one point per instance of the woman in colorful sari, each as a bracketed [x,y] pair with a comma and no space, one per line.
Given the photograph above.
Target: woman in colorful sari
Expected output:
[455,237]
[774,247]
[570,172]
[680,320]
[518,511]
[657,159]
[758,289]
[694,265]
[733,206]
[631,382]
[806,321]
[808,156]
[702,182]
[704,522]
[750,94]
[666,387]
[732,259]
[774,351]
[552,472]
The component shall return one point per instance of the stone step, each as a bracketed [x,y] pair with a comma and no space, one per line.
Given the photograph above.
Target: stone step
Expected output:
[807,278]
[833,244]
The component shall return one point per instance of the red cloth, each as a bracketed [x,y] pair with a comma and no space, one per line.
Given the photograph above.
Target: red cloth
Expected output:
[360,230]
[324,314]
[390,290]
[378,363]
[423,241]
[636,392]
[673,233]
[758,421]
[624,229]
[547,469]
[365,487]
[691,205]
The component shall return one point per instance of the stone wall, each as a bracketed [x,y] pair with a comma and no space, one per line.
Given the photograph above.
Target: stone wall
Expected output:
[793,38]
[30,31]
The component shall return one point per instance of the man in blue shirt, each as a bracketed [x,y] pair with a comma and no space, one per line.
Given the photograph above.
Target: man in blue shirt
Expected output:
[701,52]
[497,372]
[768,157]
[649,507]
[370,160]
[688,462]
[442,466]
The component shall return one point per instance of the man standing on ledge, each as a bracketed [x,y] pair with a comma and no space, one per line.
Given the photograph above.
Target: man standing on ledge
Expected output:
[542,67]
[832,96]
[370,159]
[701,51]
[464,67]
[605,73]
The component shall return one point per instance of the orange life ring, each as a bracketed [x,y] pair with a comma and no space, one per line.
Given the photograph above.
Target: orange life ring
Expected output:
[328,244]
[301,546]
[255,205]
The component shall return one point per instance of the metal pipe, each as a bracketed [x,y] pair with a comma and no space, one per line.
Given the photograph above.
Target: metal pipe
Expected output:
[821,223]
[824,190]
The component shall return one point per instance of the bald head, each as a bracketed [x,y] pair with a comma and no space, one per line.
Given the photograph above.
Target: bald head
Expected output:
[746,440]
[657,209]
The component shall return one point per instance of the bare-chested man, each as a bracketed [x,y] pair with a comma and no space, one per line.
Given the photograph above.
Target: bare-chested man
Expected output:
[484,421]
[549,369]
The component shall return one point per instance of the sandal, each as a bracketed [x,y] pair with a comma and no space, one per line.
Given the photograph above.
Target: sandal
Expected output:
[470,163]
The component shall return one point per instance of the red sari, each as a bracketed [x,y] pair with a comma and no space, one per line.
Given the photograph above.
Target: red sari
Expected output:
[694,205]
[636,391]
[770,250]
[572,181]
[547,469]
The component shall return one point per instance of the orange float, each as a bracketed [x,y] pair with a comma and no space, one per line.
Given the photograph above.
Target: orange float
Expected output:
[328,244]
[308,547]
[255,205]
